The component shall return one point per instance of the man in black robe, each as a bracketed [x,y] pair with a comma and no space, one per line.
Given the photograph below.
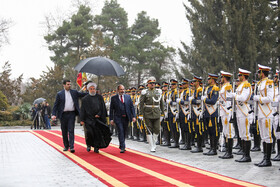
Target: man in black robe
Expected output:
[93,116]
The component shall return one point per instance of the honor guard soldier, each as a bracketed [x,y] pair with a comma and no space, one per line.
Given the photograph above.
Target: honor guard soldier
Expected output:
[242,95]
[135,128]
[211,112]
[151,109]
[173,113]
[196,108]
[185,127]
[142,137]
[165,122]
[264,97]
[254,127]
[225,113]
[276,114]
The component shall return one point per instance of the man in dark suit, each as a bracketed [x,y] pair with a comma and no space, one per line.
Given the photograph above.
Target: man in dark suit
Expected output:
[121,113]
[65,108]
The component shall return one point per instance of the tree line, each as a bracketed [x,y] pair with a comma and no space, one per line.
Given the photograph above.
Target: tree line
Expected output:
[226,35]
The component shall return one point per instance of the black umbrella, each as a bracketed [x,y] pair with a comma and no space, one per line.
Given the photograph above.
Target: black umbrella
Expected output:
[38,100]
[100,66]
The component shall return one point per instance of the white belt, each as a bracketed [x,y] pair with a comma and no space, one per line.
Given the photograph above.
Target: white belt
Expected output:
[152,106]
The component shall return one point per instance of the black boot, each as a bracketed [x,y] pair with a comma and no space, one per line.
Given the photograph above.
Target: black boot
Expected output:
[257,143]
[264,154]
[228,153]
[188,141]
[273,145]
[198,148]
[241,150]
[167,138]
[182,141]
[176,140]
[213,150]
[277,157]
[267,161]
[238,144]
[185,147]
[247,148]
[211,146]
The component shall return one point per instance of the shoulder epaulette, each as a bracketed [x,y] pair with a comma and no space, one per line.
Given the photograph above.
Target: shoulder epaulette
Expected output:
[228,87]
[246,84]
[216,88]
[269,82]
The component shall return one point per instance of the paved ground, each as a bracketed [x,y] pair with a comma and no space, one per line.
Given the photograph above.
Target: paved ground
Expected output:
[25,160]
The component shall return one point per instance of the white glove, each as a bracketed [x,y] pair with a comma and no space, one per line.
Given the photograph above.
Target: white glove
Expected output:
[178,100]
[140,117]
[203,97]
[256,98]
[161,118]
[136,103]
[166,115]
[190,98]
[233,94]
[176,116]
[168,101]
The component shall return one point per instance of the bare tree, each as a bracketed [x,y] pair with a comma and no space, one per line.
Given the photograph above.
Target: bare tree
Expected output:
[4,28]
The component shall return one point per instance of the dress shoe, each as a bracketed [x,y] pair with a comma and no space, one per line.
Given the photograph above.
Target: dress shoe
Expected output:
[72,150]
[122,151]
[96,150]
[88,148]
[65,149]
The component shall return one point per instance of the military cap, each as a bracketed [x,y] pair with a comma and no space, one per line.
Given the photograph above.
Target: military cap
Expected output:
[151,80]
[133,89]
[127,90]
[263,68]
[185,81]
[225,74]
[243,72]
[197,78]
[213,76]
[164,83]
[141,87]
[173,82]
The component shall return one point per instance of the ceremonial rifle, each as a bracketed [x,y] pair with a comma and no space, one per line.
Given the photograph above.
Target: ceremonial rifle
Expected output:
[232,107]
[202,104]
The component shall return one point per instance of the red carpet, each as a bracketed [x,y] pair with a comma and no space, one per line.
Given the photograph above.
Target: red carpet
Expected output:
[134,168]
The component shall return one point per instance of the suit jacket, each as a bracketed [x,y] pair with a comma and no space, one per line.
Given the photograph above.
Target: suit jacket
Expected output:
[60,102]
[115,111]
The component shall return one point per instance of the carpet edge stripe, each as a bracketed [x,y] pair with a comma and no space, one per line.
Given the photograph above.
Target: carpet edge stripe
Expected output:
[111,180]
[137,167]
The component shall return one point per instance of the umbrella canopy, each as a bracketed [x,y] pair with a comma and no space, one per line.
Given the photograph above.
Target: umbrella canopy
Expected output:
[38,100]
[100,66]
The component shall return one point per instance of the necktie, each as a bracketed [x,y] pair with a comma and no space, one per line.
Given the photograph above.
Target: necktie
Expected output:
[122,98]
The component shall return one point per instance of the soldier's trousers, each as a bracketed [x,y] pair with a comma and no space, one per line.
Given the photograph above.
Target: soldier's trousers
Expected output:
[166,130]
[173,127]
[212,126]
[275,125]
[198,126]
[265,125]
[153,125]
[228,128]
[243,128]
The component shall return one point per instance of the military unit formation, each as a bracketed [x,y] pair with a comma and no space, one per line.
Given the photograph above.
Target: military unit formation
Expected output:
[213,116]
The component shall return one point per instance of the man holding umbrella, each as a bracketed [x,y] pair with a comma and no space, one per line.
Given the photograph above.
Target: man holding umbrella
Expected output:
[66,107]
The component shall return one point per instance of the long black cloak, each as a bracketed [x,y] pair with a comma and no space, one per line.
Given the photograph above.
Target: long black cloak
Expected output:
[98,133]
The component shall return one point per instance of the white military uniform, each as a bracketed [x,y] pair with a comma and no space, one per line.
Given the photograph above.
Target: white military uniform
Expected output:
[276,109]
[243,94]
[265,97]
[225,114]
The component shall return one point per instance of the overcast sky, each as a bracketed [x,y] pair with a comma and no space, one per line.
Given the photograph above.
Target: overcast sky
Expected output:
[27,51]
